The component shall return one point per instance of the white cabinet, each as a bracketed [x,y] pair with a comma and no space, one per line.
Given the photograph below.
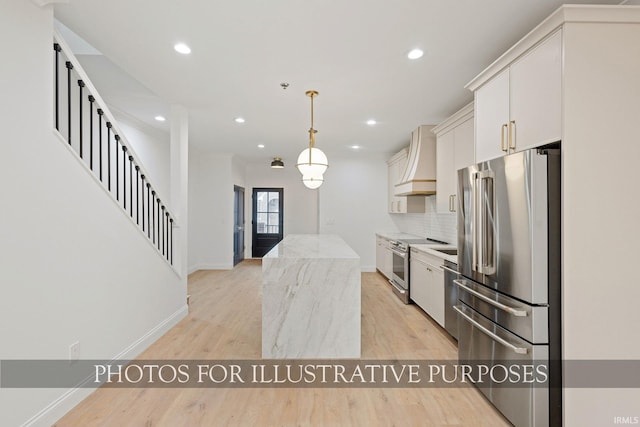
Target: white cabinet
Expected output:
[455,150]
[492,115]
[427,284]
[445,182]
[384,257]
[401,204]
[520,107]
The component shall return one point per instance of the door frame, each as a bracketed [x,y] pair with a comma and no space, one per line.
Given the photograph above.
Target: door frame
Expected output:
[238,228]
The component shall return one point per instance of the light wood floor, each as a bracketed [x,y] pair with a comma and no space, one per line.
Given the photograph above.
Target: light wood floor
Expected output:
[225,323]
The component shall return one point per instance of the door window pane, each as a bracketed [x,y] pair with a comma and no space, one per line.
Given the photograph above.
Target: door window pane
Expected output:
[267,212]
[262,222]
[273,223]
[273,202]
[262,201]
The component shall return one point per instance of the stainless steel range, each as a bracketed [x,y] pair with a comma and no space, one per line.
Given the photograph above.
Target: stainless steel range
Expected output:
[400,272]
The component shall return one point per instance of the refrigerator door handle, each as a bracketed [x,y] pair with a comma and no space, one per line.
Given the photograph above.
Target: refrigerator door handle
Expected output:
[474,223]
[485,206]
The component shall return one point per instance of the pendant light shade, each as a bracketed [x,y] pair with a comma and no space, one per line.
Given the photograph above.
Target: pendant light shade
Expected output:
[312,162]
[312,181]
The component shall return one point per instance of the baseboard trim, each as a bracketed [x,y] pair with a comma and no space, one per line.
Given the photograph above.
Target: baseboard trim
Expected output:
[194,268]
[368,269]
[67,401]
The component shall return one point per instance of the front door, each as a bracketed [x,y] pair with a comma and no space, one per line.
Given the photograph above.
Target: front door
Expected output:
[238,224]
[267,219]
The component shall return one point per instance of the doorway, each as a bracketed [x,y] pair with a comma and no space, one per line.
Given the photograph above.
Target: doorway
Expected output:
[238,224]
[267,229]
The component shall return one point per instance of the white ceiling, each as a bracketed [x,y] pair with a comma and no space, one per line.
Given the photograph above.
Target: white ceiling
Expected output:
[352,51]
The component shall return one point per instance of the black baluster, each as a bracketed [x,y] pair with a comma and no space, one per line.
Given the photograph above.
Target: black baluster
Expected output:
[158,223]
[100,113]
[148,213]
[69,68]
[153,216]
[131,186]
[142,204]
[164,241]
[80,86]
[124,176]
[138,195]
[57,48]
[117,157]
[171,241]
[91,99]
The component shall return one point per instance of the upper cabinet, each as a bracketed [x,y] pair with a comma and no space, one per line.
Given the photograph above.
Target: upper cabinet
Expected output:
[401,204]
[455,150]
[520,107]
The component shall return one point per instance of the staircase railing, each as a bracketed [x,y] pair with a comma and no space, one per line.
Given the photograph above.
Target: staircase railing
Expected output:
[84,122]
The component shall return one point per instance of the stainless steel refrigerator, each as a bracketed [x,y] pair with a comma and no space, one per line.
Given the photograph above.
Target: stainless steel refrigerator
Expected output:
[509,286]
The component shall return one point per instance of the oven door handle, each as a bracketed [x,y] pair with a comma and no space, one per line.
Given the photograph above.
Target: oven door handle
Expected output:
[398,288]
[515,349]
[400,254]
[503,307]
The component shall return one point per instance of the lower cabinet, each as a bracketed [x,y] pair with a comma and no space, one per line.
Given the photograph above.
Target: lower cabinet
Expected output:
[384,257]
[427,284]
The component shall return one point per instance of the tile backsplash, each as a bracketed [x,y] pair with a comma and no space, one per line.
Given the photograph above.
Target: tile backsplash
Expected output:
[439,226]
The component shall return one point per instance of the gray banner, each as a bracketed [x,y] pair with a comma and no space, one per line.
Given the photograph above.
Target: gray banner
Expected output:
[316,373]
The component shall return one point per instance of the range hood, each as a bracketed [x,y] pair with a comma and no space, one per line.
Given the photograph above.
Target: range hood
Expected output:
[419,177]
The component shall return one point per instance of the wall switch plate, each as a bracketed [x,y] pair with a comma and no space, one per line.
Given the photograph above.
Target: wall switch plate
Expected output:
[74,351]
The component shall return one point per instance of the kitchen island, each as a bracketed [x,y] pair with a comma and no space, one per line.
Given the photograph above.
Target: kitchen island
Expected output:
[311,299]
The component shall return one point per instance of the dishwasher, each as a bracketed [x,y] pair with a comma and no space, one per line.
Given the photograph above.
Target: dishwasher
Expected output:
[450,298]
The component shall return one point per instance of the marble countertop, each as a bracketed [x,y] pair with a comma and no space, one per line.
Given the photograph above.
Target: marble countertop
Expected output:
[312,246]
[431,250]
[391,235]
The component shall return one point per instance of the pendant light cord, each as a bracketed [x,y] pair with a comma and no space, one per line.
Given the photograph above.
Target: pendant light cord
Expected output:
[312,141]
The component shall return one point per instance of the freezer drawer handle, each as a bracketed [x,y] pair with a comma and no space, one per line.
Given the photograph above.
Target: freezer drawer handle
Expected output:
[518,350]
[510,310]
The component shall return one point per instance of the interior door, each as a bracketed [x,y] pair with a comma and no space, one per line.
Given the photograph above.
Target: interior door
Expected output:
[267,229]
[238,224]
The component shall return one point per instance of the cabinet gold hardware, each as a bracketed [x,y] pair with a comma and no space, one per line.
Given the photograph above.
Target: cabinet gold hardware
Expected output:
[502,146]
[512,138]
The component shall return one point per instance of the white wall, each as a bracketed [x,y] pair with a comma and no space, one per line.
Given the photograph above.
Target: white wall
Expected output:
[601,210]
[353,203]
[431,224]
[210,211]
[300,203]
[152,148]
[73,267]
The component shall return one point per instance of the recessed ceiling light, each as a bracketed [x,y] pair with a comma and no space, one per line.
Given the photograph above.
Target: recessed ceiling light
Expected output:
[160,118]
[182,48]
[355,147]
[260,145]
[415,54]
[371,122]
[239,120]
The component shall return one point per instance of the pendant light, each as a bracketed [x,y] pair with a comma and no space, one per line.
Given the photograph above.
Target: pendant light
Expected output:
[312,162]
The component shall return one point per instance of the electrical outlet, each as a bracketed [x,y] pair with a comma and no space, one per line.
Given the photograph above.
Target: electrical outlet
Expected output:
[74,351]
